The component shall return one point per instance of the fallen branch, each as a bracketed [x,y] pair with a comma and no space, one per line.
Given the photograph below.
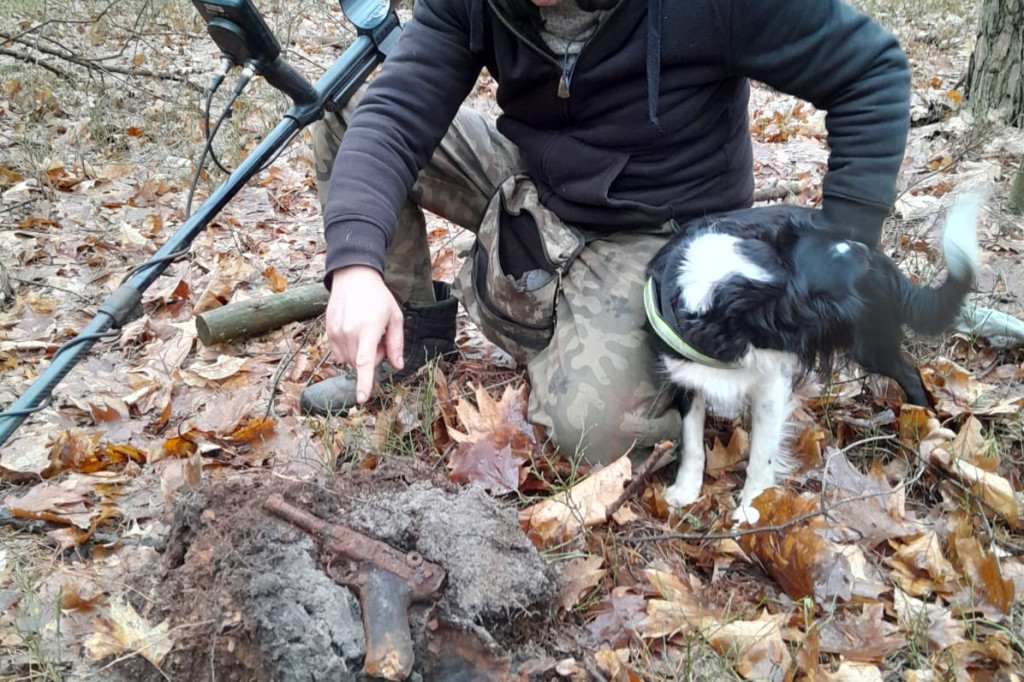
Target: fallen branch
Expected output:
[1001,330]
[755,530]
[782,190]
[824,509]
[28,59]
[87,63]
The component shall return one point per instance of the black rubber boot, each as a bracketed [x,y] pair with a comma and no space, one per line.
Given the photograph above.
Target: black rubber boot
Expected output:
[429,330]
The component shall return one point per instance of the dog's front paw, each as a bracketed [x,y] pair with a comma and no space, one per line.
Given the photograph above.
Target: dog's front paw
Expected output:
[682,493]
[745,514]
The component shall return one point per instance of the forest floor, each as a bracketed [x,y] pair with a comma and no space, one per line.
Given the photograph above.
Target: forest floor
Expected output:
[133,540]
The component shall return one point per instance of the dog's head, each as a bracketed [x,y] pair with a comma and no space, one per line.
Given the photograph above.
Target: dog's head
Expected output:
[826,296]
[828,268]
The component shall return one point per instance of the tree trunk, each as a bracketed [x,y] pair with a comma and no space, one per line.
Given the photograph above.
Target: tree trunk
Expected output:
[1015,201]
[995,76]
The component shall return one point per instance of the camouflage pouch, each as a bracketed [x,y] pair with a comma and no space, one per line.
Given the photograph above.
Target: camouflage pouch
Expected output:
[510,281]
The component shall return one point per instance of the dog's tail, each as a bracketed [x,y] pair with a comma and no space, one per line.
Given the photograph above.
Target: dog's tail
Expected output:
[931,310]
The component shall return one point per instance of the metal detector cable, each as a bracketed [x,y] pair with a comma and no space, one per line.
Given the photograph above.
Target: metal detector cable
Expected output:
[226,64]
[247,74]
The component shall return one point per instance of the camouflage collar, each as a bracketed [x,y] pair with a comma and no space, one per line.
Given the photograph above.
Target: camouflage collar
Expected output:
[668,331]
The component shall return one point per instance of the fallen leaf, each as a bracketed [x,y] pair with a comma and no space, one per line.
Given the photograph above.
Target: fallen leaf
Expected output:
[29,456]
[854,672]
[276,282]
[229,270]
[865,503]
[579,576]
[970,445]
[807,657]
[480,463]
[206,374]
[919,567]
[71,501]
[613,664]
[616,617]
[122,630]
[932,622]
[957,392]
[569,668]
[501,422]
[798,556]
[862,636]
[562,515]
[174,292]
[757,646]
[996,491]
[993,658]
[725,458]
[666,618]
[252,430]
[78,450]
[981,568]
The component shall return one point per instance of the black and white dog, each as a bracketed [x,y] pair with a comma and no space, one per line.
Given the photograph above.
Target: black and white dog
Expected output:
[745,304]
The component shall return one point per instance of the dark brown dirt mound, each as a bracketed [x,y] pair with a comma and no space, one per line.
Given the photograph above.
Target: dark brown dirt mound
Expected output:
[248,599]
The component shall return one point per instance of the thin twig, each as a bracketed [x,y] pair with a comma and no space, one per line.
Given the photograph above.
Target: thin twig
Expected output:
[15,207]
[67,22]
[734,534]
[33,283]
[282,366]
[640,479]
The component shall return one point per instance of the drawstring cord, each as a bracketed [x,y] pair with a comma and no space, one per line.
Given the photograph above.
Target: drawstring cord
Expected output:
[653,59]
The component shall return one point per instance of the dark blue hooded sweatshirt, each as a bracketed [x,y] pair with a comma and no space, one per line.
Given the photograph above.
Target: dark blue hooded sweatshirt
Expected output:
[655,124]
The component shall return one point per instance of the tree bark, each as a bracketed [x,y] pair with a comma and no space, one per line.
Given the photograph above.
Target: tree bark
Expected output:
[995,76]
[249,318]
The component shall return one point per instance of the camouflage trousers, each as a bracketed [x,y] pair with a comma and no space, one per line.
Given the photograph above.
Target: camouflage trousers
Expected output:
[567,304]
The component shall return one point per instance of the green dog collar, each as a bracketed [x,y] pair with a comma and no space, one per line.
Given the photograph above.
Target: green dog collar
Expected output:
[668,334]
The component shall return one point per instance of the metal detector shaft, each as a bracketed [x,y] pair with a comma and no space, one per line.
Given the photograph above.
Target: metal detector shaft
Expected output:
[333,89]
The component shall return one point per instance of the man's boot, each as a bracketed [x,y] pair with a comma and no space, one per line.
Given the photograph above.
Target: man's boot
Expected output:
[429,330]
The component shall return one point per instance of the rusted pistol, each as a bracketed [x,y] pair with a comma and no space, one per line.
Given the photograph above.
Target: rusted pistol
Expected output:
[386,580]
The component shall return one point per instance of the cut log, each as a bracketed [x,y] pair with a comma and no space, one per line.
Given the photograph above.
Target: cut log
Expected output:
[249,318]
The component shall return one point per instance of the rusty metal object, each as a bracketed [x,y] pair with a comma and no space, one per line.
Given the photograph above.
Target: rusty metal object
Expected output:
[386,580]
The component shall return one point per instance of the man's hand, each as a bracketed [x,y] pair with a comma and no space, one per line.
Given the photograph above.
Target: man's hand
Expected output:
[364,324]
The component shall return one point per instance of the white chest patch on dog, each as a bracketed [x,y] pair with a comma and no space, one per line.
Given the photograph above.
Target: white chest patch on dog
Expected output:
[842,247]
[728,391]
[711,259]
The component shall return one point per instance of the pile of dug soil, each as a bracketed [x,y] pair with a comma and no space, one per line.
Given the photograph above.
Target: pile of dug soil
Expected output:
[248,598]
